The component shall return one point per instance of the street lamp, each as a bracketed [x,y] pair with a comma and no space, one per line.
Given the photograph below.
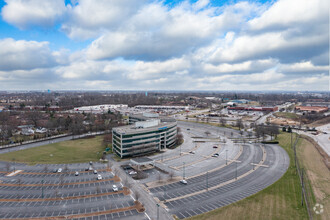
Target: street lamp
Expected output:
[236,170]
[157,211]
[183,170]
[207,180]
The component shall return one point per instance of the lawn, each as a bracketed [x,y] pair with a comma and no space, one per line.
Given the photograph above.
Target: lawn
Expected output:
[287,115]
[318,175]
[73,151]
[279,201]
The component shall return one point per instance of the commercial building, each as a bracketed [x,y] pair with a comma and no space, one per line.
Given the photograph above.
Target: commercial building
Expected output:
[243,108]
[162,107]
[312,109]
[144,135]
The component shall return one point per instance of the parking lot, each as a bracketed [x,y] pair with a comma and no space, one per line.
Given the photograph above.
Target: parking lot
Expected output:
[40,192]
[239,171]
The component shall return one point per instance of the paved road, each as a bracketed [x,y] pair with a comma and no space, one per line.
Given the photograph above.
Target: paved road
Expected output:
[184,204]
[323,139]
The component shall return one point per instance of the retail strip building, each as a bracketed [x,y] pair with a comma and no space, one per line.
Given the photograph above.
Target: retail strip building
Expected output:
[146,133]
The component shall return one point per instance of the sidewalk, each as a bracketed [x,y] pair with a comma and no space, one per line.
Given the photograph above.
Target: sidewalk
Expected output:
[145,198]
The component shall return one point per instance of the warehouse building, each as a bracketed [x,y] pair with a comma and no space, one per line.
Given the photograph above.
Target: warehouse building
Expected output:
[144,136]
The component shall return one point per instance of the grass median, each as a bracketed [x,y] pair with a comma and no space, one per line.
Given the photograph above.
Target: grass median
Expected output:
[72,151]
[281,200]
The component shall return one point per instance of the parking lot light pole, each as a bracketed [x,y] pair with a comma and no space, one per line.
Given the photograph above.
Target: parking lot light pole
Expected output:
[157,211]
[207,180]
[42,188]
[236,170]
[183,170]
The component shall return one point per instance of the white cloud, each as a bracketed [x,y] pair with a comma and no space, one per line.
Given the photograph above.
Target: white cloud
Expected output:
[244,67]
[146,44]
[89,18]
[28,13]
[303,67]
[24,55]
[289,13]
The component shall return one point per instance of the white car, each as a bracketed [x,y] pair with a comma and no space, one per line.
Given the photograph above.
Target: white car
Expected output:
[59,170]
[99,177]
[114,188]
[76,173]
[132,172]
[192,152]
[184,182]
[95,171]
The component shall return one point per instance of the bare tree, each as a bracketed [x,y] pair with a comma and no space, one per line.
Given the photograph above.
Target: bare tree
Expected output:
[61,180]
[136,195]
[66,168]
[171,174]
[46,168]
[98,190]
[159,177]
[116,171]
[7,166]
[56,193]
[109,165]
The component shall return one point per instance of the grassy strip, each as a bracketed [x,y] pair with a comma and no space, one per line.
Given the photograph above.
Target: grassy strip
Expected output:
[72,151]
[278,201]
[287,115]
[214,124]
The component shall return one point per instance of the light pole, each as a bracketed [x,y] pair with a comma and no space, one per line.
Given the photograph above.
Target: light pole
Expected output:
[183,170]
[236,170]
[207,180]
[157,211]
[42,188]
[226,156]
[180,149]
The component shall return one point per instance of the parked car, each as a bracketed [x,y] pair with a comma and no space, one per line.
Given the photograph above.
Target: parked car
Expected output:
[184,182]
[215,146]
[90,168]
[55,171]
[76,173]
[132,172]
[114,188]
[188,129]
[192,152]
[90,163]
[215,155]
[95,171]
[99,177]
[59,170]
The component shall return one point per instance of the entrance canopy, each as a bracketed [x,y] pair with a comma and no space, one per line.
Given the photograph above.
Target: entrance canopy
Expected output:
[142,161]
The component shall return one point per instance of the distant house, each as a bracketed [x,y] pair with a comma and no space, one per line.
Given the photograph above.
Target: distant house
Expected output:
[27,131]
[41,130]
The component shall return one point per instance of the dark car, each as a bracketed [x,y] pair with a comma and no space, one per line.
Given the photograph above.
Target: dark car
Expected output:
[215,146]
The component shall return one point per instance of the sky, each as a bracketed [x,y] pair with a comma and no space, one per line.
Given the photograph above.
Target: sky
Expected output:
[272,45]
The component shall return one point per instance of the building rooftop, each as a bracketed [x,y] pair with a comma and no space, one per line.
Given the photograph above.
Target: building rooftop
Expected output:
[133,129]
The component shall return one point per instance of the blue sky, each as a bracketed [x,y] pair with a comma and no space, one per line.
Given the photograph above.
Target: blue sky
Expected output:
[168,45]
